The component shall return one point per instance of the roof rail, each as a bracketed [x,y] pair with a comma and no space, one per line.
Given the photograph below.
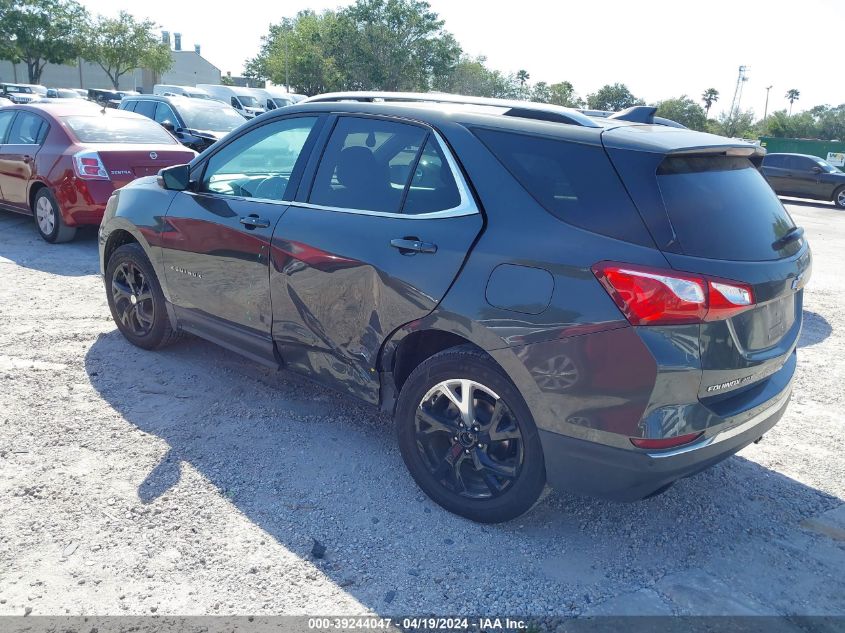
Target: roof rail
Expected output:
[521,109]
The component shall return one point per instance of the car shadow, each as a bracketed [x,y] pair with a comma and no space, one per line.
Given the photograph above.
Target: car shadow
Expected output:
[20,244]
[302,463]
[814,330]
[806,202]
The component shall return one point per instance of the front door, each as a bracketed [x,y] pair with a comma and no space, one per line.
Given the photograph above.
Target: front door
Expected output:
[216,241]
[17,157]
[375,245]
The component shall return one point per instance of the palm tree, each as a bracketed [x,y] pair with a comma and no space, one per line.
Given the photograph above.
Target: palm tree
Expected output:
[522,76]
[792,95]
[709,97]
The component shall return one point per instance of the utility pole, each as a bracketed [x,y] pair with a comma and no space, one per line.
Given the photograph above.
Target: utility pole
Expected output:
[740,80]
[766,109]
[287,77]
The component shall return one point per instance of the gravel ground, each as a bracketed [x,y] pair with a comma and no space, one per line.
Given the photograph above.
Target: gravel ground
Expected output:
[191,481]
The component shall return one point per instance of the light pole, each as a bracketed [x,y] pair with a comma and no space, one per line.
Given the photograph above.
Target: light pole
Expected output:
[287,78]
[766,108]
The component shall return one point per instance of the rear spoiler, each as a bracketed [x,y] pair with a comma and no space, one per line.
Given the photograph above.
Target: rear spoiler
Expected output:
[644,114]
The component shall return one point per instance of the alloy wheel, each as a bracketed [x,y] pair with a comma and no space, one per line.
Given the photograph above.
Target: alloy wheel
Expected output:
[469,439]
[133,299]
[45,215]
[840,198]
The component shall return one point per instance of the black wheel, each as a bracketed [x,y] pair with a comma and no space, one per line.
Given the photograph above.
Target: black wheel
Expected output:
[839,197]
[468,439]
[135,299]
[48,218]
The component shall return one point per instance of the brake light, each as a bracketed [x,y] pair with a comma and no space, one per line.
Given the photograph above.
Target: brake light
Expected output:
[651,296]
[88,166]
[669,442]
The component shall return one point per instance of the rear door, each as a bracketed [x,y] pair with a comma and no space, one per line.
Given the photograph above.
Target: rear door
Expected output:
[373,244]
[216,241]
[17,157]
[714,214]
[6,117]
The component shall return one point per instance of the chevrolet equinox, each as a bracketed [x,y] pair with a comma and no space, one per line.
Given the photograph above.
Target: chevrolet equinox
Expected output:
[538,296]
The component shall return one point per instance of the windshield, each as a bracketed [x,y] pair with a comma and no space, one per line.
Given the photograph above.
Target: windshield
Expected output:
[215,119]
[198,95]
[249,102]
[19,89]
[111,129]
[712,199]
[281,103]
[68,94]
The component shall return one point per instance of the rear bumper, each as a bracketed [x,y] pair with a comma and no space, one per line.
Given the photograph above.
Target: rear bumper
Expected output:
[84,202]
[627,475]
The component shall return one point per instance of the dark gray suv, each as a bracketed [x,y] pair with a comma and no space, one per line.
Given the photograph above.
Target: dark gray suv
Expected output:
[538,296]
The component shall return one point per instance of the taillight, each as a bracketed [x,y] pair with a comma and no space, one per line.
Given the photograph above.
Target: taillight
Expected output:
[669,442]
[88,166]
[652,296]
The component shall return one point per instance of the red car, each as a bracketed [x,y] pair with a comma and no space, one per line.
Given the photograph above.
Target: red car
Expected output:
[61,162]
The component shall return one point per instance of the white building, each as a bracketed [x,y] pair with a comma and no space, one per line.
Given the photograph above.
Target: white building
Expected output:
[189,68]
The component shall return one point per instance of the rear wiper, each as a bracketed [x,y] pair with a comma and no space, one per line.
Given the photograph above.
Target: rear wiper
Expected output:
[793,234]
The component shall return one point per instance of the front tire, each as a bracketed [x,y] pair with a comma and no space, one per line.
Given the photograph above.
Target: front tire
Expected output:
[839,197]
[136,300]
[468,438]
[48,218]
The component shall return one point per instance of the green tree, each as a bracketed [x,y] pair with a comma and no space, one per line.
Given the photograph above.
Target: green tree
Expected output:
[739,123]
[685,111]
[709,97]
[563,94]
[792,95]
[122,44]
[612,97]
[370,45]
[470,76]
[522,77]
[38,32]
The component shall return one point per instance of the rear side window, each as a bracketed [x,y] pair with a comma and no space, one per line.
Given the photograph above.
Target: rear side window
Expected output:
[574,182]
[28,129]
[773,160]
[112,129]
[722,208]
[146,107]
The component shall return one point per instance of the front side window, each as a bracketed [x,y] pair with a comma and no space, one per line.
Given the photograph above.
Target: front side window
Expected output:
[385,166]
[27,129]
[259,164]
[165,114]
[5,120]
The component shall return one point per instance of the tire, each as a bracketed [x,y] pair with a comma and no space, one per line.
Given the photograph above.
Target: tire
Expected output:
[48,218]
[839,197]
[135,299]
[490,471]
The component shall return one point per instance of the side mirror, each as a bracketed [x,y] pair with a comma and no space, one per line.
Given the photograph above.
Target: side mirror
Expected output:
[817,170]
[168,125]
[175,178]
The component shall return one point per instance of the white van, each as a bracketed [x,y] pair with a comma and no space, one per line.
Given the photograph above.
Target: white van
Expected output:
[275,97]
[242,99]
[166,90]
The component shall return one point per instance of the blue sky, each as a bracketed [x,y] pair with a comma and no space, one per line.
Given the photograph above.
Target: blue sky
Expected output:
[660,48]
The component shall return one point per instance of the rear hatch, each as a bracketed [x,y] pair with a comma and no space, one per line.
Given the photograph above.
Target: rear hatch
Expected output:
[712,213]
[125,163]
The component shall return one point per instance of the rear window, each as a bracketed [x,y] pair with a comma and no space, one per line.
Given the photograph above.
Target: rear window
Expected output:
[722,208]
[110,129]
[574,182]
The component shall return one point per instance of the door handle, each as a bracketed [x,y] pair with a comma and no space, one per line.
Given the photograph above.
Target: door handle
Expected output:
[254,222]
[411,245]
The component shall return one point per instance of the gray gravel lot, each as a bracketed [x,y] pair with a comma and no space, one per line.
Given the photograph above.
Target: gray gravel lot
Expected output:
[192,481]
